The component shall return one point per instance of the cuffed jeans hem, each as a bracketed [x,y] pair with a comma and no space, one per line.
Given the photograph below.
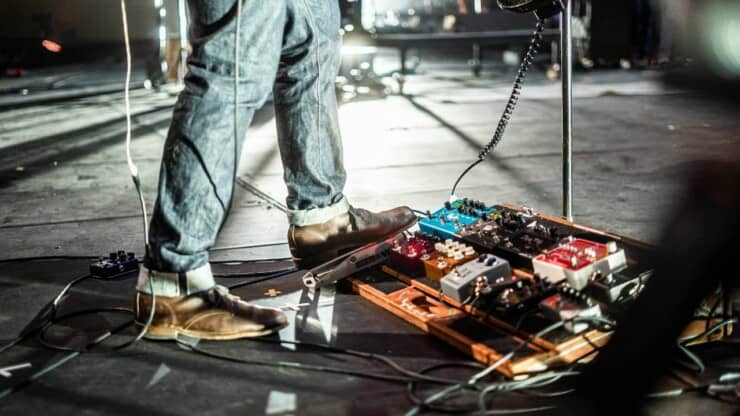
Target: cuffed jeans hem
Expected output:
[304,217]
[175,284]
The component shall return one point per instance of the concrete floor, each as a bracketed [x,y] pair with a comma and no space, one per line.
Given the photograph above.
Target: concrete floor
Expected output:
[64,176]
[66,188]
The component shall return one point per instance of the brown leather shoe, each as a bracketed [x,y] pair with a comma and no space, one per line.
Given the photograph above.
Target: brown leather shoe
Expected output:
[312,245]
[214,314]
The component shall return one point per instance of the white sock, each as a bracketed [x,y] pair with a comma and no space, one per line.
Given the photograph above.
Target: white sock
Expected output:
[171,284]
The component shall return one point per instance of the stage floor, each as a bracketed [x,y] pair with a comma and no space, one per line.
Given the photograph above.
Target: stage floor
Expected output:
[66,192]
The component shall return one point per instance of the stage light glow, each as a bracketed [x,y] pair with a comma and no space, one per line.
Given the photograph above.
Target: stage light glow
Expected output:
[51,46]
[722,23]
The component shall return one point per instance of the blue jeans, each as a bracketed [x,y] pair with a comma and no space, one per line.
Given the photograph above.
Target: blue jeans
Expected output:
[289,46]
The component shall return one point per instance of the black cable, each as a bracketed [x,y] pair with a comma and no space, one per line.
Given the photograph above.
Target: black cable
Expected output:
[67,358]
[295,365]
[48,312]
[416,400]
[534,46]
[535,393]
[47,316]
[726,311]
[12,343]
[709,331]
[524,317]
[712,310]
[256,274]
[80,257]
[421,214]
[475,379]
[253,261]
[40,258]
[44,315]
[248,246]
[41,337]
[417,375]
[263,279]
[465,172]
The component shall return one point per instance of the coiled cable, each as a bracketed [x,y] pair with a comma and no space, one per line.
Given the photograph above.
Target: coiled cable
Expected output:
[534,47]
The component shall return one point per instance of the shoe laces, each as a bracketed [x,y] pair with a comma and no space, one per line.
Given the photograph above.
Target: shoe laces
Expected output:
[359,218]
[219,295]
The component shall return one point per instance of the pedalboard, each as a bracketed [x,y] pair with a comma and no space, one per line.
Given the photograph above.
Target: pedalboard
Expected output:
[115,265]
[487,278]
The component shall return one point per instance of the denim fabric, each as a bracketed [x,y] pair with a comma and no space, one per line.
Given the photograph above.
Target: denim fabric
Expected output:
[289,46]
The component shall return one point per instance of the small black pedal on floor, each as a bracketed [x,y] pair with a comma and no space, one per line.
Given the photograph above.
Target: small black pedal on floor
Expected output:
[116,265]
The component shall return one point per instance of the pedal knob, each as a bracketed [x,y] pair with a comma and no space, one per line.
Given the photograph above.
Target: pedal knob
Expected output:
[611,247]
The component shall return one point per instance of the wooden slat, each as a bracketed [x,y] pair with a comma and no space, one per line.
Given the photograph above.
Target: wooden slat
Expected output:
[518,335]
[478,351]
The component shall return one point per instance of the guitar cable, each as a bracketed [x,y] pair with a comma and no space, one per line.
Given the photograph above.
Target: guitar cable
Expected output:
[534,47]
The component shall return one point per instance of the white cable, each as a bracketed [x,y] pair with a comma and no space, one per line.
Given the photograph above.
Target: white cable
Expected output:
[514,411]
[541,380]
[126,98]
[482,374]
[127,109]
[135,172]
[507,357]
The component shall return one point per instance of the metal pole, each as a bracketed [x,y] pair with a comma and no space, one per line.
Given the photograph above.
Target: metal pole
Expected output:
[566,64]
[157,69]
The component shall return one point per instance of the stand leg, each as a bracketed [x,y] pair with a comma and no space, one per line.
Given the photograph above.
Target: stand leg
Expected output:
[566,64]
[475,63]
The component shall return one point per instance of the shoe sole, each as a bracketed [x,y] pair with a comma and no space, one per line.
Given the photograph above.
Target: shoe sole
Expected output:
[308,263]
[159,333]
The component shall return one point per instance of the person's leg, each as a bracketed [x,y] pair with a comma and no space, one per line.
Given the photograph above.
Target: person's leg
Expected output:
[323,224]
[197,174]
[306,110]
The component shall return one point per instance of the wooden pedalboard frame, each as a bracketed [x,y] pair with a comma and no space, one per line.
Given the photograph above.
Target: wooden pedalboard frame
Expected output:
[483,336]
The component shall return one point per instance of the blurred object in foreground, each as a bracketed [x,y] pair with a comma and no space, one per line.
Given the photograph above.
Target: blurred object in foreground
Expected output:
[707,33]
